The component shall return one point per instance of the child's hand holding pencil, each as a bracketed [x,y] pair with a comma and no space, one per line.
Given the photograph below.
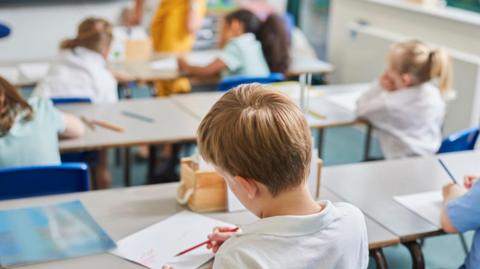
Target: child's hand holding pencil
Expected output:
[219,236]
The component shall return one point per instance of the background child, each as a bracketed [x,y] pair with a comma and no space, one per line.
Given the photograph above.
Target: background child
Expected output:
[29,130]
[406,105]
[81,69]
[249,47]
[461,213]
[266,168]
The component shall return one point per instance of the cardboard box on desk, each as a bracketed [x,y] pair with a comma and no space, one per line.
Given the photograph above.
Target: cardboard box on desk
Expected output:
[138,49]
[206,191]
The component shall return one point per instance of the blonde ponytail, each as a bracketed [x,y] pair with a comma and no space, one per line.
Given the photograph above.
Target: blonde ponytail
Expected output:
[68,44]
[419,60]
[441,68]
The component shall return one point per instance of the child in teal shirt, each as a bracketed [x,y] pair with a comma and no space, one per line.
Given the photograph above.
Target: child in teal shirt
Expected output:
[249,47]
[29,130]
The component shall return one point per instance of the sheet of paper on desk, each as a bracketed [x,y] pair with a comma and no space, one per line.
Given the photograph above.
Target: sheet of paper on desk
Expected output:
[39,234]
[10,73]
[428,205]
[34,71]
[202,58]
[347,100]
[157,245]
[166,64]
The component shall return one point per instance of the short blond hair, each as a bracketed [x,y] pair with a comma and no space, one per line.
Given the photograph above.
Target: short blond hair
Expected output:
[258,134]
[423,62]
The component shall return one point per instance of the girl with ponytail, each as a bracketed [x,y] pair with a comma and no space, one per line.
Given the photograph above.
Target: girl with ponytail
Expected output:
[407,104]
[81,71]
[249,47]
[81,68]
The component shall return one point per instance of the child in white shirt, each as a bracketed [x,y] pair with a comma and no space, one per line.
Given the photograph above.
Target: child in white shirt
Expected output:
[266,168]
[405,105]
[81,69]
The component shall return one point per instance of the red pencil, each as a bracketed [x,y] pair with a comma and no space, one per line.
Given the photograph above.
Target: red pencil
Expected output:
[201,244]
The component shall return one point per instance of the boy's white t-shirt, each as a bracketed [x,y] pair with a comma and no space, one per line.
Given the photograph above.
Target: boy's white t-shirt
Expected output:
[79,72]
[409,120]
[334,238]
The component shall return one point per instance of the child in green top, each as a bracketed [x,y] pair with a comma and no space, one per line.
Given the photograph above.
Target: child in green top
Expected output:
[249,47]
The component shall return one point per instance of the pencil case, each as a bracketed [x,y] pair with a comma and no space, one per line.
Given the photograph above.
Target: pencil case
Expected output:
[200,191]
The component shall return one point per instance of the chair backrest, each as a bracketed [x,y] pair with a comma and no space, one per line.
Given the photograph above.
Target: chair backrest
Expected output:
[233,81]
[20,182]
[70,100]
[460,141]
[4,30]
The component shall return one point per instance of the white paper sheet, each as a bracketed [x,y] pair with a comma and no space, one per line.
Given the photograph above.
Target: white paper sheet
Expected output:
[347,100]
[427,205]
[166,64]
[10,73]
[197,58]
[157,245]
[34,71]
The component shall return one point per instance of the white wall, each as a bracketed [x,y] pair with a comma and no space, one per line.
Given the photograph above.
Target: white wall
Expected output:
[450,27]
[37,29]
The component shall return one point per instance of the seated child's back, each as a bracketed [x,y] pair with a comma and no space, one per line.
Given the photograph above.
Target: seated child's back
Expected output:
[29,130]
[81,69]
[260,142]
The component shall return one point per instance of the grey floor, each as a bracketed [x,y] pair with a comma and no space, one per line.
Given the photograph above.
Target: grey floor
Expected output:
[345,145]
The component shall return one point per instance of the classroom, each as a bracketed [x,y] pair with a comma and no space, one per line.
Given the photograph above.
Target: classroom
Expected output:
[175,134]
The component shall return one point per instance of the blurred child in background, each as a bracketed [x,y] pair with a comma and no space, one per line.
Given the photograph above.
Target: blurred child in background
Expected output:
[407,104]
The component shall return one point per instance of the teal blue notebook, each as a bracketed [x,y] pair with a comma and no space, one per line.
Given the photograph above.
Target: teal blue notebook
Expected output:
[39,234]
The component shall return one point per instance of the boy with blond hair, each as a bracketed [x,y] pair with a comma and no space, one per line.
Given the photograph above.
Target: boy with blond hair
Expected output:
[260,142]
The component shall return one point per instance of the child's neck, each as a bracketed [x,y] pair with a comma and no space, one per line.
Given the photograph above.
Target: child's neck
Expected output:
[297,201]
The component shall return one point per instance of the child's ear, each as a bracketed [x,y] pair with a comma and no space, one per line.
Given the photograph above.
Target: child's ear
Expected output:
[248,185]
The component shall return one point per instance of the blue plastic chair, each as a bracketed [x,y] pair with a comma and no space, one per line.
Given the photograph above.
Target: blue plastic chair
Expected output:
[4,30]
[21,182]
[233,81]
[460,141]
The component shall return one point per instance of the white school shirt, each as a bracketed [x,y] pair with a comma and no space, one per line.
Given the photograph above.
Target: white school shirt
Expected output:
[335,238]
[79,72]
[409,120]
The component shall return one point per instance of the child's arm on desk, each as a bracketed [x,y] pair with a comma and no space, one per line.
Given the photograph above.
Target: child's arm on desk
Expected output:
[212,69]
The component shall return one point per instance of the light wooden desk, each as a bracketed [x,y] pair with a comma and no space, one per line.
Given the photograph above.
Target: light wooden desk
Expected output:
[122,212]
[170,124]
[143,70]
[371,186]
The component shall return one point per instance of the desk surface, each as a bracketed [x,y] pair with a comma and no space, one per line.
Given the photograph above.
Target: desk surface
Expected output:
[143,70]
[372,185]
[171,124]
[198,104]
[122,212]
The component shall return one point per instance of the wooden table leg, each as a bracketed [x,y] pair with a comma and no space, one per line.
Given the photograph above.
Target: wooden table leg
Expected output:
[380,260]
[126,168]
[368,142]
[321,135]
[415,249]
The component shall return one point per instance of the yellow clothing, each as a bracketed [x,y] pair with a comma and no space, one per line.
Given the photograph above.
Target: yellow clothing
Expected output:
[170,33]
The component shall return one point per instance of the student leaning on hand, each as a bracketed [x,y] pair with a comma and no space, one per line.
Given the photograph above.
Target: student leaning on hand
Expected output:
[461,213]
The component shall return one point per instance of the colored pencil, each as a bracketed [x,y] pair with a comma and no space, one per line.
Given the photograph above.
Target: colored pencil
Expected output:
[201,244]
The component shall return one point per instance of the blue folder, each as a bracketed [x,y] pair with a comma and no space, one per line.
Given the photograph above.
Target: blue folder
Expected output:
[39,234]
